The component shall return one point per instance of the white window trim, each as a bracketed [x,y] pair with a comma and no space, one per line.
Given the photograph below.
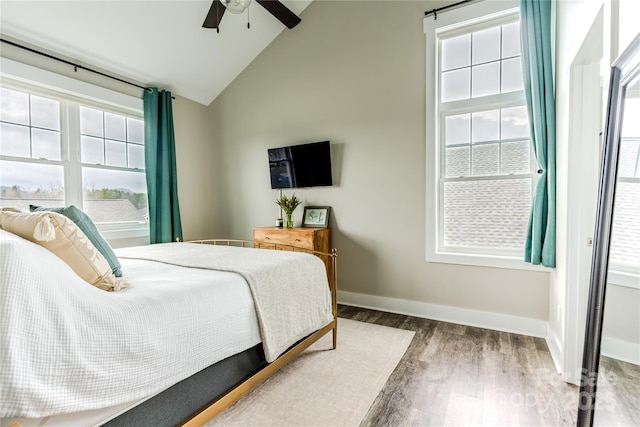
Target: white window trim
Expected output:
[620,278]
[59,83]
[88,94]
[116,231]
[470,15]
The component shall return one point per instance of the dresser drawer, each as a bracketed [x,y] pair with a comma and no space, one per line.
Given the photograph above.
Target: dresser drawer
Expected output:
[296,237]
[312,239]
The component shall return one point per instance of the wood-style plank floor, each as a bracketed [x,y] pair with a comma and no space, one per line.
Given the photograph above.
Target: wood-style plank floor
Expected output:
[454,375]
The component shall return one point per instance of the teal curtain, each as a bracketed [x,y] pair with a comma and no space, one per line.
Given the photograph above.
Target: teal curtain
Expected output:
[160,166]
[537,64]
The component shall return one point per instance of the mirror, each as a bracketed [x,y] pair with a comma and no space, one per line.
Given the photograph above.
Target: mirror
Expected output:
[619,368]
[621,124]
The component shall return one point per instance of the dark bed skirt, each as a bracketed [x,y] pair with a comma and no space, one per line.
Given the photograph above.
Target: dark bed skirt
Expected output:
[181,401]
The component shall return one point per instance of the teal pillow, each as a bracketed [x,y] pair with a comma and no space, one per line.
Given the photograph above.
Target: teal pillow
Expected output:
[87,226]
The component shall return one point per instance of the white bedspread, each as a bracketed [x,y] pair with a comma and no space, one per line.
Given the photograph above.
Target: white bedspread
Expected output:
[66,346]
[290,289]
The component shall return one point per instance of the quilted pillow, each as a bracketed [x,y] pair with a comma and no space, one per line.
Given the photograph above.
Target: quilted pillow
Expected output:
[61,236]
[83,221]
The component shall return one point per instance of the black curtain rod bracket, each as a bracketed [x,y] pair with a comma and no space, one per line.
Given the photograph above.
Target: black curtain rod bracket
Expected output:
[434,12]
[74,65]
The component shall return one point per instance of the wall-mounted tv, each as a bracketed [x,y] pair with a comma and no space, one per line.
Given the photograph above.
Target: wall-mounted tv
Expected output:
[304,165]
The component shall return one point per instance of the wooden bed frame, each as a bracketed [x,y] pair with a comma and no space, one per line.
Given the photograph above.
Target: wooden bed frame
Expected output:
[232,396]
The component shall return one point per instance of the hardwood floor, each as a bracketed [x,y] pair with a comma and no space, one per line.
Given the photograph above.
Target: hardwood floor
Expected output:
[618,401]
[460,375]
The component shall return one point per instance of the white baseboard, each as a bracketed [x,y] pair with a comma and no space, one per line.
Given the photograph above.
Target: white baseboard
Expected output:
[463,316]
[555,348]
[621,350]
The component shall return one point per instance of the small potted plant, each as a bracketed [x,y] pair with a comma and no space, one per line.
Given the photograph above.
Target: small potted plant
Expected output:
[288,205]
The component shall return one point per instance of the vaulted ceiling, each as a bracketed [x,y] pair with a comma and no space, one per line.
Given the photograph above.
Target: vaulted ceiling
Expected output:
[156,42]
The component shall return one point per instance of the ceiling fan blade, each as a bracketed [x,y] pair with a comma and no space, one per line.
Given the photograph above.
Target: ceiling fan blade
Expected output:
[281,12]
[215,15]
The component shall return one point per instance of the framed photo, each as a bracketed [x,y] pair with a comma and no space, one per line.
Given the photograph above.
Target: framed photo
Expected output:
[316,216]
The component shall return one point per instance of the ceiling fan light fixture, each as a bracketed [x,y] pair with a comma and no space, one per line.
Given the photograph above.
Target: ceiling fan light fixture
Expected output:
[236,6]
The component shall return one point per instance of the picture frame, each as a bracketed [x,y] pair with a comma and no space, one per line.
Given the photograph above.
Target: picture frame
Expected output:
[316,216]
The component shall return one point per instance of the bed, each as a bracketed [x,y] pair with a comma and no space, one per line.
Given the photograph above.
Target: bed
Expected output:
[199,325]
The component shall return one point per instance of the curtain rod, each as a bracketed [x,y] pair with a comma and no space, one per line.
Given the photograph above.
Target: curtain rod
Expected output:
[434,12]
[75,66]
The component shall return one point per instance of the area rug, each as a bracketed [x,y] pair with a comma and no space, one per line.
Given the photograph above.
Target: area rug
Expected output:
[325,387]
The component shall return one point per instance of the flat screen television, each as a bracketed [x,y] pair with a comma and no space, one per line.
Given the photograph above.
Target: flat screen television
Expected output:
[298,166]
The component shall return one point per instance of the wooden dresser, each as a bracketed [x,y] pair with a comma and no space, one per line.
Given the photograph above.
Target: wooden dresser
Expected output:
[313,239]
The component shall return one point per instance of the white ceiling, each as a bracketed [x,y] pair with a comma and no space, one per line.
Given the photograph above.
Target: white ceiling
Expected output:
[157,42]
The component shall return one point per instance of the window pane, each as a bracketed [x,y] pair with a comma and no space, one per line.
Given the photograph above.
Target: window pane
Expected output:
[486,79]
[46,144]
[14,106]
[516,157]
[116,153]
[511,39]
[512,75]
[136,156]
[486,45]
[631,128]
[455,85]
[483,208]
[45,113]
[629,158]
[630,146]
[91,122]
[135,130]
[486,160]
[457,129]
[625,234]
[114,127]
[457,162]
[114,196]
[14,140]
[456,52]
[23,184]
[92,150]
[486,126]
[487,214]
[515,123]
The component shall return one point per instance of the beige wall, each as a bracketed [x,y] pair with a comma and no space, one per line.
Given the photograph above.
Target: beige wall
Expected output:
[354,73]
[622,314]
[197,187]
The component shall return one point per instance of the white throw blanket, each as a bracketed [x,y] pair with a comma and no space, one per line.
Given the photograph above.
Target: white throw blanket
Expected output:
[290,289]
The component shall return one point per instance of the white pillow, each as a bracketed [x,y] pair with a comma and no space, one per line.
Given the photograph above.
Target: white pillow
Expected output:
[61,236]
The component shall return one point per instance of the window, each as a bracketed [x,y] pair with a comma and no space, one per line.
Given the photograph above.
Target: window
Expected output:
[625,235]
[481,166]
[57,150]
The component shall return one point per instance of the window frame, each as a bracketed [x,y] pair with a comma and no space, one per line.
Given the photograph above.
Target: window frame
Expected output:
[72,94]
[454,22]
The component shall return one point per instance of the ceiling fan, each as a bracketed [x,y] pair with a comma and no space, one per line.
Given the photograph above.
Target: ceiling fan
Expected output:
[275,7]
